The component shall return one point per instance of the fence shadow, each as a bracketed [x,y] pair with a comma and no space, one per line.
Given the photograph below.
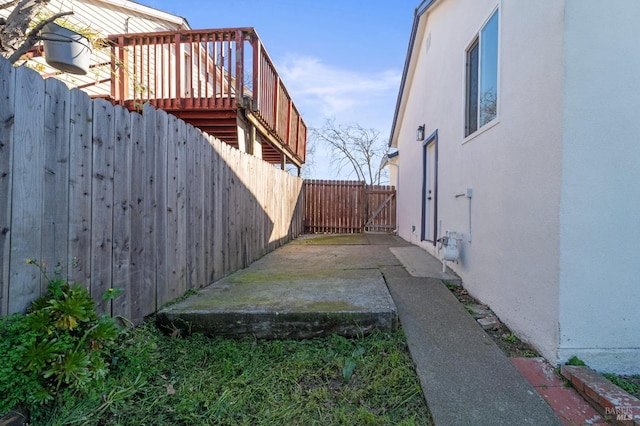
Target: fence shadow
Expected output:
[119,199]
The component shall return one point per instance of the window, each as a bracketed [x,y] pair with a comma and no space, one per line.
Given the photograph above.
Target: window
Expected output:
[482,77]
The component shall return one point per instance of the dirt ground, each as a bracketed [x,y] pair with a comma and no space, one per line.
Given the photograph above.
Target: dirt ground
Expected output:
[510,344]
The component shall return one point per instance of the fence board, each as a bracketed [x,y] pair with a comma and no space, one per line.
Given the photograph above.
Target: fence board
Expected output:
[27,191]
[176,225]
[55,220]
[80,195]
[161,218]
[199,206]
[234,234]
[218,193]
[149,291]
[7,116]
[122,211]
[181,249]
[207,218]
[224,211]
[102,212]
[192,237]
[137,305]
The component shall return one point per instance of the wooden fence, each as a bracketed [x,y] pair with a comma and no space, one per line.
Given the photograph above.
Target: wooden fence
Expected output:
[347,207]
[118,199]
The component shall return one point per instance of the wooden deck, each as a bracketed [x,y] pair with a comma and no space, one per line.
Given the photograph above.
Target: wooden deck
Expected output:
[220,80]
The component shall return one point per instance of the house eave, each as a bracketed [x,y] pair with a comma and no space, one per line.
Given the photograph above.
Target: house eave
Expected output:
[422,8]
[149,11]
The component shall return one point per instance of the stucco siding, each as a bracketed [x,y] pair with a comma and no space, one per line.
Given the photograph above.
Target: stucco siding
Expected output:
[600,229]
[513,167]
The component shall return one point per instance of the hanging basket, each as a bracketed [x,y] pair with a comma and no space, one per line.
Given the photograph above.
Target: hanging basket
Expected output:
[65,49]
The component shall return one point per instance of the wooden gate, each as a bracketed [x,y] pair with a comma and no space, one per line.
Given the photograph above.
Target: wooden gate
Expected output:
[381,208]
[348,207]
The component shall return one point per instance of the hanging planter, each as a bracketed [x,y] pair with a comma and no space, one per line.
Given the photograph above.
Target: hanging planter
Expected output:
[65,49]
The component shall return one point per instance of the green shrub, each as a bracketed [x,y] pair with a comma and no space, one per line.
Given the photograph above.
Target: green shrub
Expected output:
[60,344]
[574,360]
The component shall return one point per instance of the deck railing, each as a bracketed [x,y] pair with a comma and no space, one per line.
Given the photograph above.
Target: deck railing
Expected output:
[217,69]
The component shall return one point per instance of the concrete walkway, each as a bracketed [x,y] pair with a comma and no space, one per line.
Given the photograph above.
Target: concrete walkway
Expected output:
[466,378]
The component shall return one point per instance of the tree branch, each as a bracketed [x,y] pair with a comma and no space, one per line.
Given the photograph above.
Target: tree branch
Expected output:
[354,147]
[33,38]
[8,4]
[13,32]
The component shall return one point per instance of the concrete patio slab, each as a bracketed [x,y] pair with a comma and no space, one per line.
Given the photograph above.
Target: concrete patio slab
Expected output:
[419,263]
[298,291]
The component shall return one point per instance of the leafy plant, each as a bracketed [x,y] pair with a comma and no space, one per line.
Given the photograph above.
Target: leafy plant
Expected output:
[90,34]
[510,338]
[59,344]
[350,364]
[574,360]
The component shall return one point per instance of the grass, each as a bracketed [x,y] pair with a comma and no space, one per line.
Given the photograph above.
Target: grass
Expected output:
[631,384]
[320,239]
[160,380]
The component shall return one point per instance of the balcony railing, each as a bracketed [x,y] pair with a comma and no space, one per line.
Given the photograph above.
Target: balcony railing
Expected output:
[207,70]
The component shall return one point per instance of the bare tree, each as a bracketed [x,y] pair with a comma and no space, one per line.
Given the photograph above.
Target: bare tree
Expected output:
[355,148]
[488,106]
[16,34]
[306,172]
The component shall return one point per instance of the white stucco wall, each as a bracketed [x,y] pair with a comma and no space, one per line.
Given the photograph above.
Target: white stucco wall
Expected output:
[514,167]
[600,209]
[556,198]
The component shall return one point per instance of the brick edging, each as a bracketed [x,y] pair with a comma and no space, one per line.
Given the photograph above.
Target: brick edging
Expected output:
[616,405]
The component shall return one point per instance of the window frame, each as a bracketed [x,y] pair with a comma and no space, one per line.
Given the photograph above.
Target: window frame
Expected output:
[469,87]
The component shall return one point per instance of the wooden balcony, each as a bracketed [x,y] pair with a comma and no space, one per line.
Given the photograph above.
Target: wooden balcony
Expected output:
[221,81]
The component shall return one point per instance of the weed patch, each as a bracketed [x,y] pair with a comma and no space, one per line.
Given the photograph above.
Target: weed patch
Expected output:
[58,350]
[502,336]
[163,380]
[574,360]
[630,384]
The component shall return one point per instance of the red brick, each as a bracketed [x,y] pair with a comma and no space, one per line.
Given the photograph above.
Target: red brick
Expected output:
[570,407]
[566,372]
[591,393]
[537,371]
[605,403]
[603,393]
[577,383]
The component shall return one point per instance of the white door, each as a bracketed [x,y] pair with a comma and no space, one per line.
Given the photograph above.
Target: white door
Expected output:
[429,188]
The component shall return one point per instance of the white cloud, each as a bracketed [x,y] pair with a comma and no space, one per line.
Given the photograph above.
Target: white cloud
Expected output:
[321,91]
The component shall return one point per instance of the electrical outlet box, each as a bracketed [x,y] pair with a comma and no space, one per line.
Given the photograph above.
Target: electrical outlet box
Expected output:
[469,192]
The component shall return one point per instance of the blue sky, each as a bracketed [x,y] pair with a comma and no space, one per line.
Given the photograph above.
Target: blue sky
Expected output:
[338,58]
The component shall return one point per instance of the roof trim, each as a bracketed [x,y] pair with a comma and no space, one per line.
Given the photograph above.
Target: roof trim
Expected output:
[422,8]
[150,11]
